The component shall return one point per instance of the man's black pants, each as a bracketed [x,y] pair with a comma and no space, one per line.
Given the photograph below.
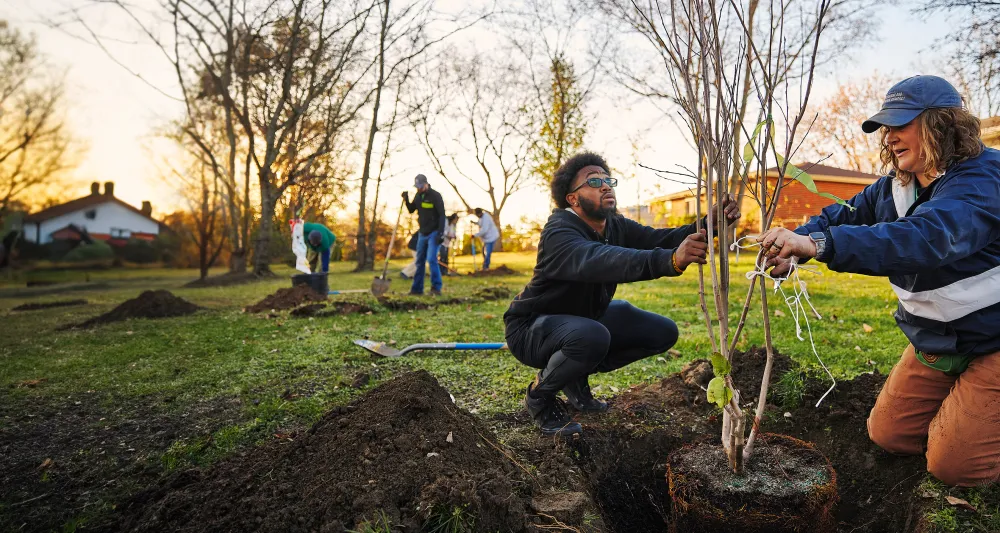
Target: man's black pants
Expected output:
[569,348]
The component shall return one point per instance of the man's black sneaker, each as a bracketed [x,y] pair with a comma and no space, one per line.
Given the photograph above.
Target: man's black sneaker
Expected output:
[580,397]
[434,292]
[550,416]
[412,293]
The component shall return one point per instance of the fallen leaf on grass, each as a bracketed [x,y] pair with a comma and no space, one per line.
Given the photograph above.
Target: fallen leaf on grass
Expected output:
[673,352]
[930,494]
[779,312]
[31,383]
[959,502]
[857,348]
[489,316]
[867,328]
[46,464]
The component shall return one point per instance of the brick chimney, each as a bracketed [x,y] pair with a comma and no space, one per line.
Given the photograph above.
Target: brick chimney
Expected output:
[109,188]
[95,188]
[147,208]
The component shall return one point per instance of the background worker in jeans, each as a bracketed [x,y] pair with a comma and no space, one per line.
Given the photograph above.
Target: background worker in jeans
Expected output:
[565,322]
[488,234]
[431,219]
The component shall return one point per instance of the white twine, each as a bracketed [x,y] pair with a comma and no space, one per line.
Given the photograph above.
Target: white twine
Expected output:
[793,301]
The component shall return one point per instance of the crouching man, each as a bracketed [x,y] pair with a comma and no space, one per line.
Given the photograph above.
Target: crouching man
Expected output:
[564,322]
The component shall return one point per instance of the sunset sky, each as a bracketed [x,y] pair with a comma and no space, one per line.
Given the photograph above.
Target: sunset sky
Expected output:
[116,114]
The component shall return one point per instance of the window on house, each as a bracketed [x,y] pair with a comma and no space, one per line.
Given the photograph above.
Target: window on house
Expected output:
[119,233]
[91,214]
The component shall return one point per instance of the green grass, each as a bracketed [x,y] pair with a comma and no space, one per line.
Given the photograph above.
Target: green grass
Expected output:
[280,374]
[225,353]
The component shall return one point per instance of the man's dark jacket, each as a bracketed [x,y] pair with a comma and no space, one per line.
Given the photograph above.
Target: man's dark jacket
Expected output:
[430,211]
[577,270]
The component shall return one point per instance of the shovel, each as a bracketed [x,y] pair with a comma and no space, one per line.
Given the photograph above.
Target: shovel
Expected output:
[382,349]
[380,285]
[347,291]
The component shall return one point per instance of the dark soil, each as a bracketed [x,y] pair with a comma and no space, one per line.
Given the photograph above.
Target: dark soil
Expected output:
[49,305]
[149,304]
[286,299]
[502,270]
[67,458]
[403,451]
[224,280]
[624,454]
[320,310]
[787,487]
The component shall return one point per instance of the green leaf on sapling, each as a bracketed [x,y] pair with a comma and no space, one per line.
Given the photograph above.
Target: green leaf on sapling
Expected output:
[718,392]
[720,365]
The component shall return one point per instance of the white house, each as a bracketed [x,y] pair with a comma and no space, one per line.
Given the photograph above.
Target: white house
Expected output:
[102,216]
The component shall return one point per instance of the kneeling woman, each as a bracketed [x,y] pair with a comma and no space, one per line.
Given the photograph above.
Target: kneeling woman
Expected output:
[932,225]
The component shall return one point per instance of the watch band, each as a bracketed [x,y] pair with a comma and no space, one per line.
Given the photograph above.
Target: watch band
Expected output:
[819,238]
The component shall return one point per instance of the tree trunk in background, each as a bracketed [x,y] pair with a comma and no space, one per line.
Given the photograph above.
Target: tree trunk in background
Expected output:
[366,252]
[261,256]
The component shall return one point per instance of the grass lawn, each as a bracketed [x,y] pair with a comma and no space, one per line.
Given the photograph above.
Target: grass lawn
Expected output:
[242,378]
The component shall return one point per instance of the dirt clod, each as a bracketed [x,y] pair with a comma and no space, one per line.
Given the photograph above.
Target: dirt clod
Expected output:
[49,305]
[697,373]
[286,299]
[384,455]
[502,270]
[564,507]
[149,304]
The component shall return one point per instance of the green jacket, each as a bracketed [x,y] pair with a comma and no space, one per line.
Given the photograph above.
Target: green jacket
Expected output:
[328,237]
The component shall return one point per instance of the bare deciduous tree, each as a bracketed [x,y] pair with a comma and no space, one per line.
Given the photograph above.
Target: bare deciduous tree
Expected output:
[36,148]
[472,126]
[836,132]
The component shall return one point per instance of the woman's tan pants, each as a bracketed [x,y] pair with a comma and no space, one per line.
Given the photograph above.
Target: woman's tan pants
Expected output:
[954,420]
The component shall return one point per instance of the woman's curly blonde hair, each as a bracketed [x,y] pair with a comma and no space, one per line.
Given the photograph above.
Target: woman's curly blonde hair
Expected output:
[947,136]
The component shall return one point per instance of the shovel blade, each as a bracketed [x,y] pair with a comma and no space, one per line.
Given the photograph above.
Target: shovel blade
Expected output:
[380,349]
[380,286]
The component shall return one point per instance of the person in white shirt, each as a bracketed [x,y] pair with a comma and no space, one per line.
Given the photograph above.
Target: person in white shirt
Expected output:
[449,236]
[488,234]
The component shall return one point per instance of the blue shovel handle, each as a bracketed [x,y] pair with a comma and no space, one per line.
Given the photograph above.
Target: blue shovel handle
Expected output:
[480,345]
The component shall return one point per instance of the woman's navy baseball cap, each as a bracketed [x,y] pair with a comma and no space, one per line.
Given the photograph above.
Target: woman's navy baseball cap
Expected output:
[909,98]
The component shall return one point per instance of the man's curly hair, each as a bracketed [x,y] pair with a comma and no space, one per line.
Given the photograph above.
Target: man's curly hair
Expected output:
[566,173]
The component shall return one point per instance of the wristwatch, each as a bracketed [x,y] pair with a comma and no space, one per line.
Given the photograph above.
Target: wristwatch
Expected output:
[819,238]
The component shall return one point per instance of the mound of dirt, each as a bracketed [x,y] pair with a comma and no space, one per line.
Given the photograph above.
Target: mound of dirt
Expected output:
[286,299]
[402,454]
[502,270]
[49,305]
[149,304]
[498,292]
[334,309]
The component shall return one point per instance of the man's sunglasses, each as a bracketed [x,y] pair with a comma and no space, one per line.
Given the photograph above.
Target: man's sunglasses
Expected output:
[597,182]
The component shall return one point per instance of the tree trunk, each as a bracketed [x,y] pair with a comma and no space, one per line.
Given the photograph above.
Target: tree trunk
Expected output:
[261,256]
[366,253]
[498,247]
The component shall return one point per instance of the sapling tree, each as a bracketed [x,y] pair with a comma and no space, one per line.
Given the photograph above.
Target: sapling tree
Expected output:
[737,70]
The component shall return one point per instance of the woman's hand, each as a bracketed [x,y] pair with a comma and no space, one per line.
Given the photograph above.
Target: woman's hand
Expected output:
[780,244]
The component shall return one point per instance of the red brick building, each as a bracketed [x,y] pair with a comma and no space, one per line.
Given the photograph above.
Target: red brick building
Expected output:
[795,206]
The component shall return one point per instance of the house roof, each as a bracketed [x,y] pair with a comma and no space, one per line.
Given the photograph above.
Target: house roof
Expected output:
[820,173]
[80,204]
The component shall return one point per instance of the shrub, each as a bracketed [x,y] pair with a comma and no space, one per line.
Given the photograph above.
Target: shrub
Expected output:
[139,251]
[95,251]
